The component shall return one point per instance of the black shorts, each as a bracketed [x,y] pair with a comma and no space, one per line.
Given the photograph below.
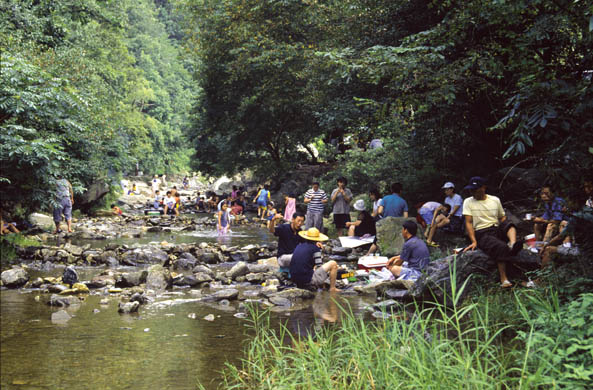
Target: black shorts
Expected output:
[493,241]
[340,220]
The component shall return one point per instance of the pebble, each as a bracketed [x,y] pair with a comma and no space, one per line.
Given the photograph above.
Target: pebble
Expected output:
[104,301]
[96,311]
[147,329]
[209,317]
[240,315]
[192,316]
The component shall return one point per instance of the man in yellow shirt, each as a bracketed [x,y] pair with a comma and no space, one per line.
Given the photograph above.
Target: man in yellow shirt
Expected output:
[488,227]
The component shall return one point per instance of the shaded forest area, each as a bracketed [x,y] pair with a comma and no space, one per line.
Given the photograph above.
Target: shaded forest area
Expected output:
[452,88]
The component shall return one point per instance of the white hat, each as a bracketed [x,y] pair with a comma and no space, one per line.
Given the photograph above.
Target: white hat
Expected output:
[448,185]
[359,205]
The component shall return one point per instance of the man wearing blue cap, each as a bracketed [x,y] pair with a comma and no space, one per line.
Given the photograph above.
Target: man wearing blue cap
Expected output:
[488,227]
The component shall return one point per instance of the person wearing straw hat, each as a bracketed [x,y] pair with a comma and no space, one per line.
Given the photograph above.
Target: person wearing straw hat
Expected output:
[306,269]
[365,223]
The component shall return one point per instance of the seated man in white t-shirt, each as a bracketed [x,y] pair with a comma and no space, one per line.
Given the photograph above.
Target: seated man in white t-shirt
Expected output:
[488,227]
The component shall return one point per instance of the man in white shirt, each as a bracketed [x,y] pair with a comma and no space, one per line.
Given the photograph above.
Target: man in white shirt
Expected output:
[488,227]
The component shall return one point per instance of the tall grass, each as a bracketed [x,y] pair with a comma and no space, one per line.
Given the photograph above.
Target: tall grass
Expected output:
[492,340]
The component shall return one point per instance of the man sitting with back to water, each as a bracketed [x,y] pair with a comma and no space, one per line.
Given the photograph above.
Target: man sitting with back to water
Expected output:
[408,265]
[288,236]
[488,227]
[306,269]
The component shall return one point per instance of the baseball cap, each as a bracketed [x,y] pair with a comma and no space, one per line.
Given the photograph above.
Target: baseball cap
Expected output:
[359,205]
[448,185]
[475,183]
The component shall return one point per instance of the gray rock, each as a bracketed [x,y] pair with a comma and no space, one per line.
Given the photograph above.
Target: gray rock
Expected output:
[128,307]
[209,258]
[62,300]
[380,287]
[280,301]
[291,294]
[37,282]
[240,315]
[388,303]
[230,294]
[202,277]
[255,278]
[94,192]
[202,268]
[140,298]
[389,238]
[131,279]
[209,317]
[101,281]
[14,278]
[381,315]
[238,269]
[341,251]
[42,221]
[60,317]
[259,268]
[186,261]
[240,256]
[158,278]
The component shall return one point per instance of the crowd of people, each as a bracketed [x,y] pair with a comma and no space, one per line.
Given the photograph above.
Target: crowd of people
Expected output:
[479,216]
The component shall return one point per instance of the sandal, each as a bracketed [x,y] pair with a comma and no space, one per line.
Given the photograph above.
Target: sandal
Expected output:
[506,284]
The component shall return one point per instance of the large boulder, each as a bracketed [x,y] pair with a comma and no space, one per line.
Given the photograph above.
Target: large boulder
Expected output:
[41,221]
[389,238]
[158,278]
[14,278]
[436,283]
[94,192]
[131,279]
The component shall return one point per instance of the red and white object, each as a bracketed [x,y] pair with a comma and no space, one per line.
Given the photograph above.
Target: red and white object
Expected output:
[372,262]
[530,240]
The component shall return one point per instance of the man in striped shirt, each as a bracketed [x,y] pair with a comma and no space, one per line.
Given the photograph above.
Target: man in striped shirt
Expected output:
[316,199]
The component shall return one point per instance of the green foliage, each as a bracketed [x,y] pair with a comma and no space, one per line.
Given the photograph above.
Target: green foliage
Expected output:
[89,90]
[8,247]
[559,341]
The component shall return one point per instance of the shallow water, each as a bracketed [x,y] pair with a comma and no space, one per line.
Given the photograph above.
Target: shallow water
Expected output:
[158,348]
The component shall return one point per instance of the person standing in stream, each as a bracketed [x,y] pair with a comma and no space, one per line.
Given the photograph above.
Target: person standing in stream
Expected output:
[65,201]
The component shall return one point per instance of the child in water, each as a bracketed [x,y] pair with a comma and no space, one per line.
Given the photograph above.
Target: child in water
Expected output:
[224,220]
[270,213]
[116,210]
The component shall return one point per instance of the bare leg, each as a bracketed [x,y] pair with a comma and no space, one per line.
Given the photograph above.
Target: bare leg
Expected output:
[69,221]
[331,267]
[502,270]
[372,249]
[351,230]
[441,221]
[166,207]
[512,235]
[340,230]
[547,255]
[396,270]
[57,227]
[550,232]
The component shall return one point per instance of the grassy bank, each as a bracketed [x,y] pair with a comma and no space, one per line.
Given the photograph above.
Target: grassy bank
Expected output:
[8,244]
[496,340]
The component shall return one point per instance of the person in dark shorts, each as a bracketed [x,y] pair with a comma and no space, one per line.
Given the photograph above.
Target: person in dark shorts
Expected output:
[306,268]
[488,227]
[365,223]
[341,197]
[65,201]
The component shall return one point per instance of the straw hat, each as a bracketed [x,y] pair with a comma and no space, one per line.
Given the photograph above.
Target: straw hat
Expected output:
[313,235]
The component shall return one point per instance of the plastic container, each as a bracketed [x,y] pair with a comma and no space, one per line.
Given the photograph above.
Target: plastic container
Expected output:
[372,262]
[530,240]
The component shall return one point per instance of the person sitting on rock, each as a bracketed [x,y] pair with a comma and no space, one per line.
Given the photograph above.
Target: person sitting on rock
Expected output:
[414,257]
[236,208]
[364,224]
[158,200]
[270,212]
[7,227]
[306,268]
[546,226]
[394,205]
[455,214]
[169,204]
[440,220]
[116,210]
[288,236]
[488,227]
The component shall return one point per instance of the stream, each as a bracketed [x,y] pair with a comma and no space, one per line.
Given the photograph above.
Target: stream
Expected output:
[166,345]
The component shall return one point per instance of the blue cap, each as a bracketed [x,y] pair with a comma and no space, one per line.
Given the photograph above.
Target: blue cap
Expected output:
[475,183]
